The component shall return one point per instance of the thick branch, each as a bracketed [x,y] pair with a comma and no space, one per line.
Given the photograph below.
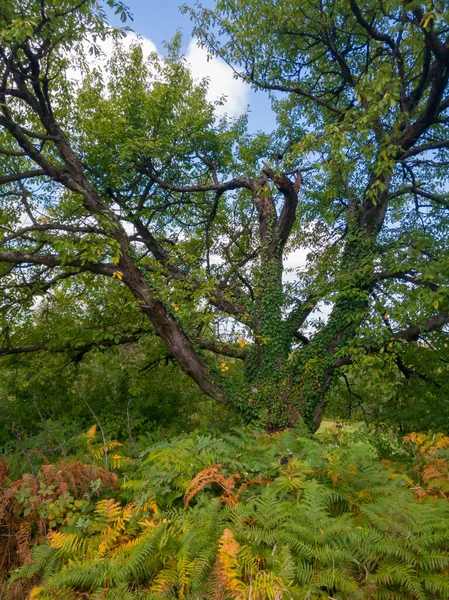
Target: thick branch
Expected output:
[436,145]
[78,351]
[54,260]
[412,334]
[221,348]
[288,213]
[21,176]
[370,29]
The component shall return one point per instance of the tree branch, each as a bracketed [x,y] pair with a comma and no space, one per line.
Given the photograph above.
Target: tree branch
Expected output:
[41,227]
[221,348]
[288,213]
[21,176]
[54,260]
[419,192]
[233,184]
[407,277]
[413,333]
[78,351]
[437,145]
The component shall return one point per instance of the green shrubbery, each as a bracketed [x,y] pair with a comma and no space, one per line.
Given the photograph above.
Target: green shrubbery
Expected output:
[252,516]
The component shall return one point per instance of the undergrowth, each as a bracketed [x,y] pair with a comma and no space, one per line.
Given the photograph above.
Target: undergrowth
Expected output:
[245,516]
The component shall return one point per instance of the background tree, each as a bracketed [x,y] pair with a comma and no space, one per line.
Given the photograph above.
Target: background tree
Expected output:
[91,370]
[131,177]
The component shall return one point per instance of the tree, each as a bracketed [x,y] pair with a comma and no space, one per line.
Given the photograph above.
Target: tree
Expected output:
[356,172]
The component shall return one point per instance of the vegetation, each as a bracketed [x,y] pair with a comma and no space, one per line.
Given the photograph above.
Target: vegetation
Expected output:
[163,372]
[244,515]
[126,190]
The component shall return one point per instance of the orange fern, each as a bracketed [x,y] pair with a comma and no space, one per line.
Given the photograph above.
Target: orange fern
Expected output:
[23,538]
[27,504]
[209,475]
[431,464]
[3,472]
[212,474]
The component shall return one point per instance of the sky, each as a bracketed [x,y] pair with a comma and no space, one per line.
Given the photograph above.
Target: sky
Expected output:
[158,21]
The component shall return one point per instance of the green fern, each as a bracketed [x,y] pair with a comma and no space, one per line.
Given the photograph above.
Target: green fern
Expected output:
[329,521]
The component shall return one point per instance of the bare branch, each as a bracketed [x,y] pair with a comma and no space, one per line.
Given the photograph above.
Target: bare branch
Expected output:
[233,184]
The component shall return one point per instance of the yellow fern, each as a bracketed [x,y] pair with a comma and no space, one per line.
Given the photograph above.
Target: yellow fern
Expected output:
[227,564]
[91,434]
[109,509]
[70,543]
[442,442]
[126,544]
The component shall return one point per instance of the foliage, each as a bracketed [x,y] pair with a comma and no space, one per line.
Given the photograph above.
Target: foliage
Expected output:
[431,461]
[137,395]
[318,518]
[129,208]
[38,502]
[414,399]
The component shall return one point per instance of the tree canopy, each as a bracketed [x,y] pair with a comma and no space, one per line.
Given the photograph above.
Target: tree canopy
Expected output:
[126,191]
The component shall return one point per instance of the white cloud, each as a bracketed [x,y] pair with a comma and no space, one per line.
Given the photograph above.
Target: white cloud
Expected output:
[294,261]
[107,46]
[221,80]
[297,258]
[220,75]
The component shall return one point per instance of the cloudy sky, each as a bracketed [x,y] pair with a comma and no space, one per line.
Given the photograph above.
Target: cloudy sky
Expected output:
[159,21]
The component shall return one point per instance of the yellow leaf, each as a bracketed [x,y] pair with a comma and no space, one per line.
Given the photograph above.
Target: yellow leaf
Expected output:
[427,21]
[117,274]
[91,433]
[436,304]
[242,342]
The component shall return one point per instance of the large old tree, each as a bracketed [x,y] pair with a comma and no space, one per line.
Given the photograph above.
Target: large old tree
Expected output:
[129,176]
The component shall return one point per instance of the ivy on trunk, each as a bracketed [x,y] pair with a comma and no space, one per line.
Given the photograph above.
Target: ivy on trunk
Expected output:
[130,176]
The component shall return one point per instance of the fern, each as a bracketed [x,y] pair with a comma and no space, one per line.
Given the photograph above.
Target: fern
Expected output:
[226,518]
